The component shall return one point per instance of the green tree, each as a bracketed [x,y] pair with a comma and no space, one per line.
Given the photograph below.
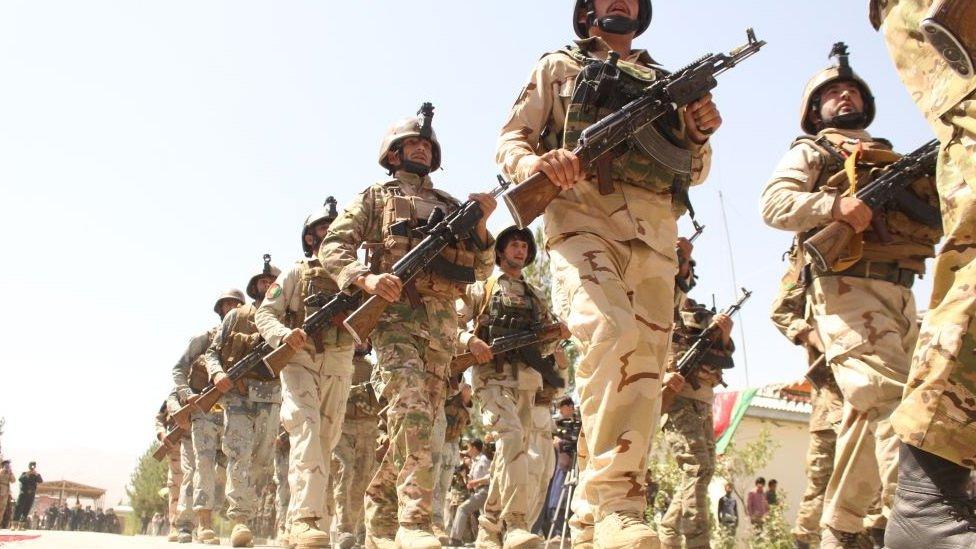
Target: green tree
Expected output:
[146,483]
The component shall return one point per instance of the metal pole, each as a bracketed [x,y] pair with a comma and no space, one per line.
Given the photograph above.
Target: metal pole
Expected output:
[735,288]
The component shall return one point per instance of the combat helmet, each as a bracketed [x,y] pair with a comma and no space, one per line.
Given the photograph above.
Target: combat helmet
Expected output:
[233,294]
[327,213]
[840,72]
[267,270]
[419,126]
[615,25]
[502,240]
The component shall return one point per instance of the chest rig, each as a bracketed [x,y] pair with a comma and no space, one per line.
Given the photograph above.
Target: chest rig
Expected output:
[315,288]
[650,159]
[241,340]
[199,378]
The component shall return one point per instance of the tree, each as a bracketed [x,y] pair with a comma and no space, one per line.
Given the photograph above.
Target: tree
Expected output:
[145,484]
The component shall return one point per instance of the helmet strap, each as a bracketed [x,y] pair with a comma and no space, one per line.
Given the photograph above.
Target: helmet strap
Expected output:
[410,166]
[850,121]
[612,24]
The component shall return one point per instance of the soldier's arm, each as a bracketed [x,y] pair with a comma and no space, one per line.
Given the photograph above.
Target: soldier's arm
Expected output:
[181,370]
[788,312]
[212,357]
[701,154]
[275,305]
[468,306]
[518,143]
[789,202]
[355,225]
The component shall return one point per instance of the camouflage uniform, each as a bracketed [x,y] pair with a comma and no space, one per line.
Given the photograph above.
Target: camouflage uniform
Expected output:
[864,316]
[250,412]
[689,432]
[174,473]
[457,416]
[281,472]
[542,455]
[613,263]
[413,347]
[315,386]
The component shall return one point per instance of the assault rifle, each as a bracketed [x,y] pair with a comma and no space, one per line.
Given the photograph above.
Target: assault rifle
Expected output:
[331,309]
[827,245]
[529,199]
[693,357]
[440,233]
[819,374]
[540,333]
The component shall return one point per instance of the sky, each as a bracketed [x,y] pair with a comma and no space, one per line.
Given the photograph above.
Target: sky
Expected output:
[151,152]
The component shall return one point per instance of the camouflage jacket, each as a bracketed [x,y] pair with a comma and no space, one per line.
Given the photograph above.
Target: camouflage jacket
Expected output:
[182,370]
[458,417]
[691,321]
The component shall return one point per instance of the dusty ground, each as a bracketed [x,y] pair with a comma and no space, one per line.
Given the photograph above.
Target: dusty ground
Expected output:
[91,540]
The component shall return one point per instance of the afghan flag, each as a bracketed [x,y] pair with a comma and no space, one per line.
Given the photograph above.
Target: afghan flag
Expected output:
[727,411]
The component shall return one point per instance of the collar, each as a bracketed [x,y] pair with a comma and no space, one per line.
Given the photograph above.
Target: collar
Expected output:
[597,45]
[845,135]
[414,181]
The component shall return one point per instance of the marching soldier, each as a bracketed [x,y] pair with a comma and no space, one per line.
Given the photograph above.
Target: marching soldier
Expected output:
[542,457]
[415,338]
[611,233]
[199,453]
[863,309]
[457,415]
[506,385]
[689,430]
[250,406]
[174,473]
[282,493]
[315,384]
[935,419]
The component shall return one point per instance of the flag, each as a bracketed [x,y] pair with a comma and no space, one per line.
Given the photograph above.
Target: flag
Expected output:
[727,411]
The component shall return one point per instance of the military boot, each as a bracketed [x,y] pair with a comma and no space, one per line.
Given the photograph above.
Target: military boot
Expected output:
[518,536]
[376,541]
[205,531]
[241,535]
[487,538]
[833,538]
[624,530]
[305,534]
[876,535]
[174,534]
[185,535]
[582,538]
[931,507]
[345,540]
[416,536]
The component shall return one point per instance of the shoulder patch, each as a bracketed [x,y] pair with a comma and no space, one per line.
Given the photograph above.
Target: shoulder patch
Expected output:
[273,292]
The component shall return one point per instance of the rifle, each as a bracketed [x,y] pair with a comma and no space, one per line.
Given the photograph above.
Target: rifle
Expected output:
[827,244]
[819,374]
[529,199]
[540,333]
[331,308]
[692,359]
[439,235]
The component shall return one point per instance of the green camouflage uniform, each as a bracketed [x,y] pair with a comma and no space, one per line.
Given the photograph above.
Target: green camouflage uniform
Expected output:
[457,417]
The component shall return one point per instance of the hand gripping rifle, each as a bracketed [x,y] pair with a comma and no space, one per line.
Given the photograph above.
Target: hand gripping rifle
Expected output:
[540,333]
[446,231]
[829,243]
[529,199]
[695,355]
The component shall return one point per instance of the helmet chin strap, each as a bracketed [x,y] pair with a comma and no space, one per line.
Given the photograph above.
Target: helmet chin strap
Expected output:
[614,24]
[410,166]
[849,121]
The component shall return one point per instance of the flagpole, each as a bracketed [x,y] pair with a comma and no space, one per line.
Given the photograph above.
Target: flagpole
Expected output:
[735,287]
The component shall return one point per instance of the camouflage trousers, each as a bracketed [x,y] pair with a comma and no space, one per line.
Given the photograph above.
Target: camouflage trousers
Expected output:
[410,374]
[313,407]
[250,425]
[205,431]
[868,328]
[820,465]
[174,480]
[436,458]
[689,432]
[542,460]
[450,458]
[356,458]
[938,413]
[282,491]
[617,298]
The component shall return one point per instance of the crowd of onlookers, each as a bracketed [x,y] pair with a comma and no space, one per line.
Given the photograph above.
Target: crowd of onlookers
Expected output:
[759,501]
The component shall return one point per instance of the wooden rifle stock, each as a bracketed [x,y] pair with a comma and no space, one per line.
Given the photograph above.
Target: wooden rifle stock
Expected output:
[280,357]
[161,452]
[362,321]
[527,200]
[203,403]
[826,246]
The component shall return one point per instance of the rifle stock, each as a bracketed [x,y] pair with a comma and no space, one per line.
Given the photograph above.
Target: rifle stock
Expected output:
[527,200]
[826,246]
[362,321]
[461,363]
[204,403]
[161,452]
[279,358]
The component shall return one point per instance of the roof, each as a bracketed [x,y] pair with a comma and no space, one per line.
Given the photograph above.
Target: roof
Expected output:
[781,401]
[69,488]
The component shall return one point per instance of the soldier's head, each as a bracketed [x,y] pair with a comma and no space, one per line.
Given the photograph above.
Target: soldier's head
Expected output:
[411,145]
[514,249]
[228,301]
[317,225]
[624,17]
[566,407]
[837,97]
[259,283]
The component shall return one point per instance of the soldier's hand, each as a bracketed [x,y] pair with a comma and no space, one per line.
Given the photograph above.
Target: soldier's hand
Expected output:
[487,203]
[812,339]
[480,350]
[684,248]
[724,323]
[674,381]
[183,422]
[564,332]
[384,285]
[296,339]
[561,166]
[702,119]
[222,382]
[852,211]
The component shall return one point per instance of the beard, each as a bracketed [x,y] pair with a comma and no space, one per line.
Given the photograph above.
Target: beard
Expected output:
[514,263]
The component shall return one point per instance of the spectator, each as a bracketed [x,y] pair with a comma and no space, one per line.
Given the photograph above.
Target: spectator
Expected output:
[772,497]
[756,505]
[145,523]
[6,479]
[728,510]
[464,527]
[157,524]
[25,500]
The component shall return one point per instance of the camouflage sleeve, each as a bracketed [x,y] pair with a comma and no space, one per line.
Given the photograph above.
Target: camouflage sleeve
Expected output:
[356,224]
[788,202]
[275,305]
[181,371]
[519,139]
[485,259]
[788,311]
[468,306]
[212,357]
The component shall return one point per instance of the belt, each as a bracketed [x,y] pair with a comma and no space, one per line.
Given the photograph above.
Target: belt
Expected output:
[875,270]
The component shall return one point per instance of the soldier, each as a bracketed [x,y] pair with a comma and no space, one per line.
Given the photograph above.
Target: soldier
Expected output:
[506,386]
[174,473]
[863,310]
[542,455]
[315,383]
[282,492]
[6,479]
[199,453]
[457,416]
[415,338]
[355,453]
[29,480]
[935,419]
[612,255]
[688,429]
[251,406]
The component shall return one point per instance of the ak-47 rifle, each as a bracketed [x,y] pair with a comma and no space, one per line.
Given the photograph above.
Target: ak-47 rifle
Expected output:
[439,235]
[529,199]
[827,244]
[540,333]
[693,357]
[331,311]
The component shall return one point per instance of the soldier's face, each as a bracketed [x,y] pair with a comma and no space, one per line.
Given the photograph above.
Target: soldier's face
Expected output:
[617,8]
[515,253]
[415,149]
[840,98]
[264,283]
[227,306]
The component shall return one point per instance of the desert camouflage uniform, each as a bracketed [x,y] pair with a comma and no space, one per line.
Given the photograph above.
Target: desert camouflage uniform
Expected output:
[315,385]
[457,416]
[613,263]
[282,471]
[542,454]
[938,413]
[866,323]
[174,473]
[250,412]
[506,391]
[689,432]
[413,347]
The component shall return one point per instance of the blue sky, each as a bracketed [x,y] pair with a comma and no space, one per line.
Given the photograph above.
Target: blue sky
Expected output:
[151,152]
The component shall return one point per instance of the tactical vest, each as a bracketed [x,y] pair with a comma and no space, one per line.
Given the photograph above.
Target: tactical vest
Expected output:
[691,322]
[510,308]
[199,378]
[651,159]
[447,275]
[907,242]
[315,280]
[241,340]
